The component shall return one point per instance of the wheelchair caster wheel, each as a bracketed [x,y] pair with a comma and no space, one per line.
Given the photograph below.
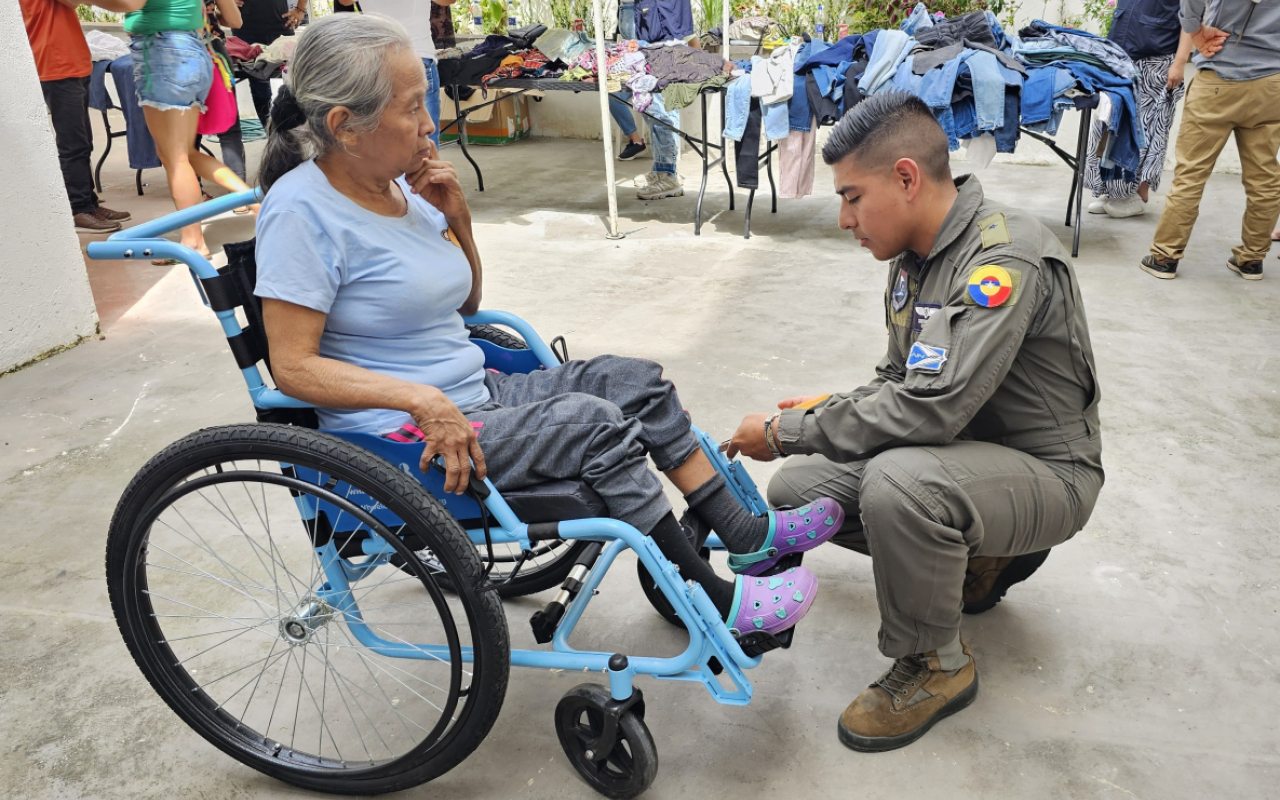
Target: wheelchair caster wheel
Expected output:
[607,741]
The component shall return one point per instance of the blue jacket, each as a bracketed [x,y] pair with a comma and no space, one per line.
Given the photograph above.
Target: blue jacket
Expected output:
[1146,28]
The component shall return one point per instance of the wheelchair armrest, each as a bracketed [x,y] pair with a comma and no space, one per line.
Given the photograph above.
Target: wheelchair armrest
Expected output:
[180,219]
[540,348]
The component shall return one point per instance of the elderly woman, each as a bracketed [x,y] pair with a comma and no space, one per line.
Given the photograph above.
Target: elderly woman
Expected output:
[366,264]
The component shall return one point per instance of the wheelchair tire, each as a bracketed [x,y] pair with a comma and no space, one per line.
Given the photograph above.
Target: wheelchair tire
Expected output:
[498,336]
[190,562]
[698,532]
[631,765]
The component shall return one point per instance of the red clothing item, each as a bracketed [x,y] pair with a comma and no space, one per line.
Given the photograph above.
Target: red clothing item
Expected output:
[56,40]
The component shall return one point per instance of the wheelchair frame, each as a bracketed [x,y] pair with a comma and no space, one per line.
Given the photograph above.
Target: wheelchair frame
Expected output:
[709,637]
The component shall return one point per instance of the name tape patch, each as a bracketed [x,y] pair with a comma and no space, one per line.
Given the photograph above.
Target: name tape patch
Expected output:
[925,358]
[921,314]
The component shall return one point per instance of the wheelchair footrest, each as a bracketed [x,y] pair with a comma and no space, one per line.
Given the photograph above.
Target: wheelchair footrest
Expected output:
[755,644]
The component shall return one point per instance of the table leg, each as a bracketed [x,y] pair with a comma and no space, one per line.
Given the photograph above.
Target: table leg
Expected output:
[97,171]
[768,168]
[462,137]
[724,149]
[1082,156]
[706,169]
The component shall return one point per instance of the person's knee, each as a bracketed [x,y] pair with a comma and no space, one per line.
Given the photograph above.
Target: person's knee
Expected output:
[639,371]
[895,489]
[781,492]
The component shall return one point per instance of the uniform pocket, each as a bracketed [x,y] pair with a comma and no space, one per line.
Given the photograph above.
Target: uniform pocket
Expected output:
[931,360]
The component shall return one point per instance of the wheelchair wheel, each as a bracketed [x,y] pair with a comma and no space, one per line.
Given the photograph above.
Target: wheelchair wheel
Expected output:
[498,336]
[248,569]
[630,765]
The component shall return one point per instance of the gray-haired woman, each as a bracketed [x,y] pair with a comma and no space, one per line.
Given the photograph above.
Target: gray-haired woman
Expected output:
[366,262]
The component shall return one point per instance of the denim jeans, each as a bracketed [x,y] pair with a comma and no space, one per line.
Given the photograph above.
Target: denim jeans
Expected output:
[433,95]
[665,142]
[621,113]
[172,70]
[777,121]
[737,105]
[988,89]
[627,19]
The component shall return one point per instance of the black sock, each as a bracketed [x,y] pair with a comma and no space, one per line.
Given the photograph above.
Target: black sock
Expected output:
[674,543]
[739,529]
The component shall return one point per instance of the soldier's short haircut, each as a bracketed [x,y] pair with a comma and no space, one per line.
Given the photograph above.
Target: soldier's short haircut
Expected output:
[886,127]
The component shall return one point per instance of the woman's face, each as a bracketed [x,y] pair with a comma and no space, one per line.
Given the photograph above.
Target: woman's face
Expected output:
[400,141]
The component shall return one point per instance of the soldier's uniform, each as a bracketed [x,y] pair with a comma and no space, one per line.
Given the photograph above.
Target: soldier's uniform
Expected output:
[979,435]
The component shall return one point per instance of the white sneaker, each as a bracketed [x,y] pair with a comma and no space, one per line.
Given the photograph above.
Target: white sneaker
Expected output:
[1097,206]
[1131,206]
[660,185]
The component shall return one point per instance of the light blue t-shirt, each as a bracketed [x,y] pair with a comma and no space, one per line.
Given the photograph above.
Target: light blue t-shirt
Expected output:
[391,288]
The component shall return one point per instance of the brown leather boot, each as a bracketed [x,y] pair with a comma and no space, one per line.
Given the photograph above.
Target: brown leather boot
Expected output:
[906,702]
[987,578]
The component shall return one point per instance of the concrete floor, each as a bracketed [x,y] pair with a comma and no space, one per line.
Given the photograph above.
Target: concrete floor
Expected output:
[1139,662]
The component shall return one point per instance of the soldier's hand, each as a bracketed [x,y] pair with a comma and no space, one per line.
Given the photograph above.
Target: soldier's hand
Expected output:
[749,439]
[792,402]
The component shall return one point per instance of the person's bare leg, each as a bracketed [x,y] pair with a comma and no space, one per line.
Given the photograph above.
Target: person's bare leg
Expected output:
[210,168]
[1144,189]
[694,472]
[174,132]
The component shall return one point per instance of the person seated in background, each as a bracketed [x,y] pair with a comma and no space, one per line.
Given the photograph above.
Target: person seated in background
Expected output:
[366,265]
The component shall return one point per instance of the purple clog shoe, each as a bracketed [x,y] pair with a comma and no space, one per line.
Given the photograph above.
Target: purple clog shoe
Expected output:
[791,531]
[772,604]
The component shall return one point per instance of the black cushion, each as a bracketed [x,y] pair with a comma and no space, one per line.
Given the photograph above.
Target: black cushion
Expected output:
[555,501]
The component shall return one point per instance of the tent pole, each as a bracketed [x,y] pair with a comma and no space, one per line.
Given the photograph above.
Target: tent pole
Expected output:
[606,132]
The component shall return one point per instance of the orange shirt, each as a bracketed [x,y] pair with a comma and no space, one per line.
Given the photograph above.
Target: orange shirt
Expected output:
[56,40]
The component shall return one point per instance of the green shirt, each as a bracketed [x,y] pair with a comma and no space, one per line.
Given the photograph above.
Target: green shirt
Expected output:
[166,15]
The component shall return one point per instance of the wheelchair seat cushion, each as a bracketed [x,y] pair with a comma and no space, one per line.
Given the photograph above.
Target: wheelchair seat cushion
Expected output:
[555,501]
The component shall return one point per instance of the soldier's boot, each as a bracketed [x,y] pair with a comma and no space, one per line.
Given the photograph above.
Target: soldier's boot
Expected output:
[986,579]
[906,702]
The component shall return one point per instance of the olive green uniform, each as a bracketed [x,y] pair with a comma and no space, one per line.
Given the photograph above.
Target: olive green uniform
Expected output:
[979,435]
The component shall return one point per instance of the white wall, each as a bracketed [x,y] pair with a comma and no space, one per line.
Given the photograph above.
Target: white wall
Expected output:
[45,302]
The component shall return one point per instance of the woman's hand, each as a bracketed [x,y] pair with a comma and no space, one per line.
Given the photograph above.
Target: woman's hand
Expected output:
[448,434]
[436,181]
[1177,71]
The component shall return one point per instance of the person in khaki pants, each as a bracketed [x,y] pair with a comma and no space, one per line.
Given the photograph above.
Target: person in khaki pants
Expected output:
[1236,91]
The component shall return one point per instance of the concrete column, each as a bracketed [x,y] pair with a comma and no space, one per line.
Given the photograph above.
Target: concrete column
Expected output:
[45,301]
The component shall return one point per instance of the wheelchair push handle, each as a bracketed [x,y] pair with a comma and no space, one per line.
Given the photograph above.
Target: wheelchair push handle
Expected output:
[475,486]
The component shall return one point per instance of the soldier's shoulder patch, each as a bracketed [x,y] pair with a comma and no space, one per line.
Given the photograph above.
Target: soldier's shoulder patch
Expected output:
[992,285]
[995,230]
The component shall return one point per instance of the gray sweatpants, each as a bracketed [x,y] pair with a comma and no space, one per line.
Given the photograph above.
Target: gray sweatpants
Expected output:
[922,512]
[593,421]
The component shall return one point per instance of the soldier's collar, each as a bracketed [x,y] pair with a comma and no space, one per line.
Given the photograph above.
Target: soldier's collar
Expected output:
[961,215]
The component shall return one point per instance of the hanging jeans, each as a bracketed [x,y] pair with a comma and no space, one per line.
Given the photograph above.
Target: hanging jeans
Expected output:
[737,107]
[665,141]
[627,19]
[433,95]
[747,149]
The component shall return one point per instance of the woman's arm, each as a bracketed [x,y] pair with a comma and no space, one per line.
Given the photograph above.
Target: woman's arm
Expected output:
[118,6]
[293,333]
[1177,70]
[229,14]
[436,181]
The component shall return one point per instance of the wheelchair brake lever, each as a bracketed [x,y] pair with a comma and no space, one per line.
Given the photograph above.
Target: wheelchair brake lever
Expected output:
[474,484]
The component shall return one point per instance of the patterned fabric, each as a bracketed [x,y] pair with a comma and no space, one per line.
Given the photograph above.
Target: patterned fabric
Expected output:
[1156,105]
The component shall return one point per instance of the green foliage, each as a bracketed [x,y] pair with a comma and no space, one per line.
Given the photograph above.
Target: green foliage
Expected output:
[494,13]
[91,14]
[1101,12]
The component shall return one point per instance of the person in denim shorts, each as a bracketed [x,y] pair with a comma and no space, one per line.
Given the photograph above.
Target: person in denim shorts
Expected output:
[174,72]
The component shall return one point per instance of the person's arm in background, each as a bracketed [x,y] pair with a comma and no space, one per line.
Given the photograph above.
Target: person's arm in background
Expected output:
[1206,38]
[229,14]
[295,15]
[1178,69]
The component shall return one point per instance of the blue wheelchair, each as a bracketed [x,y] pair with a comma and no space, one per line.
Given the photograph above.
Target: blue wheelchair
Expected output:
[315,606]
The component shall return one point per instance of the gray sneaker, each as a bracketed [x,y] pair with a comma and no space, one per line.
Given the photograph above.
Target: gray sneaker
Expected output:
[1249,270]
[660,185]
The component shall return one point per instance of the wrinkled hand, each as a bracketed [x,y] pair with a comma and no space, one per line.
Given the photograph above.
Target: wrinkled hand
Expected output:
[436,181]
[792,402]
[748,439]
[1209,40]
[293,17]
[1176,74]
[448,434]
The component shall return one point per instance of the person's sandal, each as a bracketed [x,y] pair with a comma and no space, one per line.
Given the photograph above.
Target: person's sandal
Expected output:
[773,604]
[791,531]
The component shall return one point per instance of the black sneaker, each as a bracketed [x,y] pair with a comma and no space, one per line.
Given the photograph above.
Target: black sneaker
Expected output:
[1249,270]
[631,151]
[1165,269]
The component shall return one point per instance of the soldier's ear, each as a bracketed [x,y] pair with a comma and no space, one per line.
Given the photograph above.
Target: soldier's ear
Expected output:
[908,176]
